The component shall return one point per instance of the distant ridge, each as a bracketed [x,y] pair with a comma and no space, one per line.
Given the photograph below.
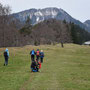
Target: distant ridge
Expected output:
[39,15]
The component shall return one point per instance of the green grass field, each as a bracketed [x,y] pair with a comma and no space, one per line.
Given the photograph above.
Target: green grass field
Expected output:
[65,68]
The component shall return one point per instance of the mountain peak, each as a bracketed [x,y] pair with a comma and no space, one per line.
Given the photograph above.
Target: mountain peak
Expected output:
[87,22]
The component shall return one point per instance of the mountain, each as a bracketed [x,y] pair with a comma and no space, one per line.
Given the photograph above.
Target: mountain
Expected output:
[39,15]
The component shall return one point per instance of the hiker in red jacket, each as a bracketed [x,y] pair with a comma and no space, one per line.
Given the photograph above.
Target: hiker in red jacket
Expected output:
[37,55]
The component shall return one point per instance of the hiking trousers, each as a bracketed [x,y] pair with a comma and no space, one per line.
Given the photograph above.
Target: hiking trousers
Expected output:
[41,60]
[6,61]
[37,58]
[32,57]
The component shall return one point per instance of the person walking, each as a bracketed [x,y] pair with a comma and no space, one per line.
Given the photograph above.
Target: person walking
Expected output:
[41,56]
[37,55]
[6,56]
[32,53]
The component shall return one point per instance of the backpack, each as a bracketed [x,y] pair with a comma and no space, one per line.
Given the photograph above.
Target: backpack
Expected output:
[37,53]
[32,52]
[5,54]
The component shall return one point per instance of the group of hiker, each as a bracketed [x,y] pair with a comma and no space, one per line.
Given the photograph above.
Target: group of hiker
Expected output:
[35,61]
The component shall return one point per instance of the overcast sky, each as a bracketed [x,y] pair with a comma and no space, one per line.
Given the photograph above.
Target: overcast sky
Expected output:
[79,9]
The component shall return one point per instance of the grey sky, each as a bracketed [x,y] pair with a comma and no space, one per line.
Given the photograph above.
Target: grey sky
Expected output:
[79,9]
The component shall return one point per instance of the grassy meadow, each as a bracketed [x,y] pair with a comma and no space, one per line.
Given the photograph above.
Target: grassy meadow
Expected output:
[65,68]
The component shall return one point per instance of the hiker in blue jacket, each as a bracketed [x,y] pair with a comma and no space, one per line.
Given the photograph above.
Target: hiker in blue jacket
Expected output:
[6,56]
[32,55]
[41,56]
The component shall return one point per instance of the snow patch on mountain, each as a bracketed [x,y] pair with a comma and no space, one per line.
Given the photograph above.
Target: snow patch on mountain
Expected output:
[38,13]
[37,19]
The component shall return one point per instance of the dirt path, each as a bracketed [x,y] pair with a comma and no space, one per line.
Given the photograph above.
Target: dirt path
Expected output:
[23,87]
